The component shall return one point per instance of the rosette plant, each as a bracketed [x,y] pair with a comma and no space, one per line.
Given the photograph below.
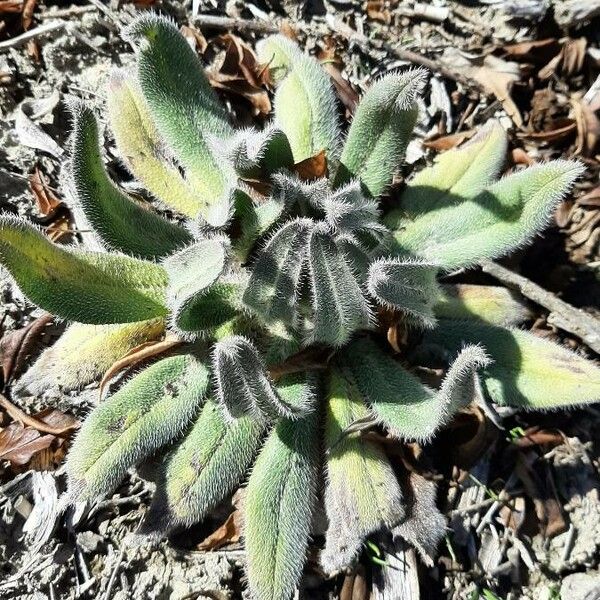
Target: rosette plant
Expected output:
[278,281]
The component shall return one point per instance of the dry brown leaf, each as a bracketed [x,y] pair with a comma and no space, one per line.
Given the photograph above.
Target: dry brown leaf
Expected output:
[240,73]
[229,533]
[557,131]
[588,128]
[16,345]
[19,444]
[332,63]
[534,436]
[376,11]
[27,14]
[448,142]
[311,168]
[568,61]
[59,228]
[497,77]
[194,38]
[137,355]
[535,51]
[10,6]
[355,585]
[46,200]
[513,515]
[520,157]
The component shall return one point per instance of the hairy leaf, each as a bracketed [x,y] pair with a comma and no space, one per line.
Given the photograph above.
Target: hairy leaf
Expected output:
[274,284]
[84,352]
[145,414]
[409,409]
[182,104]
[406,285]
[142,149]
[255,218]
[527,371]
[339,306]
[492,304]
[211,460]
[305,102]
[380,131]
[279,503]
[258,154]
[362,495]
[242,385]
[456,174]
[504,216]
[197,301]
[121,223]
[88,287]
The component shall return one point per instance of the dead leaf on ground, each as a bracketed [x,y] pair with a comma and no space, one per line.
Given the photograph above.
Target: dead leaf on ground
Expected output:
[377,11]
[568,62]
[355,585]
[541,490]
[229,533]
[332,63]
[45,198]
[16,345]
[311,168]
[534,436]
[520,157]
[447,142]
[557,131]
[27,14]
[194,38]
[534,51]
[10,6]
[588,128]
[60,227]
[497,77]
[19,444]
[138,355]
[239,72]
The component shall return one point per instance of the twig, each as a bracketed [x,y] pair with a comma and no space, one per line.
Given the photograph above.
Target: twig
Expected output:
[562,315]
[237,24]
[365,43]
[18,415]
[113,575]
[32,33]
[73,11]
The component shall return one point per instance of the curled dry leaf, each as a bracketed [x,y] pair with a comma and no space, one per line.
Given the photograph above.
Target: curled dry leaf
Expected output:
[229,533]
[568,61]
[448,142]
[19,444]
[16,345]
[47,201]
[195,38]
[240,73]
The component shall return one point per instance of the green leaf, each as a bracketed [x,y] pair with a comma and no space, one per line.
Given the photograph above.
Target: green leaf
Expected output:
[120,223]
[83,353]
[258,154]
[273,287]
[339,306]
[409,286]
[141,147]
[506,215]
[279,504]
[243,386]
[206,466]
[88,287]
[409,409]
[254,218]
[185,109]
[199,298]
[494,305]
[362,495]
[456,174]
[305,102]
[144,415]
[380,131]
[527,371]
